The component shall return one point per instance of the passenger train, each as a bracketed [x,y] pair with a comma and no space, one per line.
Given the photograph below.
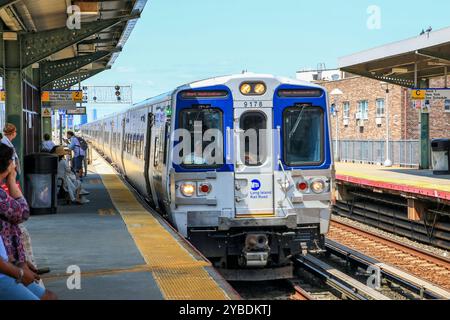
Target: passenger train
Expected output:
[241,166]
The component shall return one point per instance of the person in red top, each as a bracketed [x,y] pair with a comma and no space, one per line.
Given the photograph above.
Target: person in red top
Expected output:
[14,210]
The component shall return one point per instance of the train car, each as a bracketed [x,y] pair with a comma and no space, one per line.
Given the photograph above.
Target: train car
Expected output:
[241,165]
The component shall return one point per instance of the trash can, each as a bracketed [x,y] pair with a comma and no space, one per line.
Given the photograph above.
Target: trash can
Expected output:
[441,156]
[41,171]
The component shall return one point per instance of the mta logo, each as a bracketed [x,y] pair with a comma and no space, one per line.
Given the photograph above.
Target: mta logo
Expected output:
[256,185]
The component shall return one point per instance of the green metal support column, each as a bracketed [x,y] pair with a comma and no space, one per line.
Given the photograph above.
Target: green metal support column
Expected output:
[425,141]
[46,126]
[46,123]
[13,87]
[425,148]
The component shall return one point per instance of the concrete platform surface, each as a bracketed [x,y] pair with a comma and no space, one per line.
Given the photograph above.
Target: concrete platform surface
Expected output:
[121,249]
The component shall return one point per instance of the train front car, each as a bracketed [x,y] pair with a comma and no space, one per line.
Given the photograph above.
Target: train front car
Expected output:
[254,188]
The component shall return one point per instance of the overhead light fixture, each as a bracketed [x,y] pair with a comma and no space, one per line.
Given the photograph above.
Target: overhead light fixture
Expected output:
[437,63]
[88,8]
[400,70]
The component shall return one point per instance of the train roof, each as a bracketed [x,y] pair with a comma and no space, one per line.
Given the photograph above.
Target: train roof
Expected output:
[222,80]
[215,81]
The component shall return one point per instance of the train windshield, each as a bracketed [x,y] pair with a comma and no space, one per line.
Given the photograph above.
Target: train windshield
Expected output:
[206,149]
[303,136]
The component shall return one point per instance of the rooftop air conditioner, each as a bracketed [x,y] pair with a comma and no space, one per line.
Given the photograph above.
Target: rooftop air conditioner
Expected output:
[361,123]
[346,122]
[379,121]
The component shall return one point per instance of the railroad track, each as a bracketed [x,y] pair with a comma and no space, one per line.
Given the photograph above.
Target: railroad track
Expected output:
[346,285]
[435,270]
[300,293]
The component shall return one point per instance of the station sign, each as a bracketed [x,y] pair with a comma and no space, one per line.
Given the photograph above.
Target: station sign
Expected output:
[61,105]
[430,94]
[46,112]
[77,111]
[61,96]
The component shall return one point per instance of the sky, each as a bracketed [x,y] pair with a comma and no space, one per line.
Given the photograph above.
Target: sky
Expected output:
[179,41]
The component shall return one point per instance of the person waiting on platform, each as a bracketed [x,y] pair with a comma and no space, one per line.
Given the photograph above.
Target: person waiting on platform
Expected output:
[47,144]
[9,134]
[18,276]
[78,153]
[70,183]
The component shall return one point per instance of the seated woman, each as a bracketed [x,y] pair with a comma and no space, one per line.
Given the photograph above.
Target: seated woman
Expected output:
[17,275]
[70,183]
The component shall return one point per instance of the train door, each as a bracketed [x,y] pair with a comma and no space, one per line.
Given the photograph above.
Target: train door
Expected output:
[111,141]
[148,167]
[253,162]
[122,143]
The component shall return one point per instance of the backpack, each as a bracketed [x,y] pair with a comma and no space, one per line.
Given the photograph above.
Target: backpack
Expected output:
[83,143]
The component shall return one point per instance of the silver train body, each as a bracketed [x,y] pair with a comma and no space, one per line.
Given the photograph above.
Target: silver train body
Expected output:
[242,214]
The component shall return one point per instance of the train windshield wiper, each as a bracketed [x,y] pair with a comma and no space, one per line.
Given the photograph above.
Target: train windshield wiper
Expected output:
[297,123]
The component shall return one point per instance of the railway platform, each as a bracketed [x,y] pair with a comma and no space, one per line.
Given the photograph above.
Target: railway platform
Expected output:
[116,248]
[415,182]
[418,186]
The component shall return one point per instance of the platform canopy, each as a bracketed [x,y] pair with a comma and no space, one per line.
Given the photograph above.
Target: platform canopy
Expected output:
[407,63]
[65,52]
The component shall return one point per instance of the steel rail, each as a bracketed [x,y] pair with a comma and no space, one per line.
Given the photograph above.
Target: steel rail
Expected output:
[420,287]
[420,253]
[347,286]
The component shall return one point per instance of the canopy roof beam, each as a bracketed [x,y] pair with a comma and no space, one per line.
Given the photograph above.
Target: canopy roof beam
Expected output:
[434,55]
[72,79]
[6,3]
[40,45]
[54,70]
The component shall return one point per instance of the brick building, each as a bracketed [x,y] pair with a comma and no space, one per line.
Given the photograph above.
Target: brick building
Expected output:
[362,119]
[365,99]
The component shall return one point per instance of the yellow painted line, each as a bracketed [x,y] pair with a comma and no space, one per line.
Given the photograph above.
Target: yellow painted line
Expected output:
[255,215]
[107,212]
[134,269]
[383,177]
[178,274]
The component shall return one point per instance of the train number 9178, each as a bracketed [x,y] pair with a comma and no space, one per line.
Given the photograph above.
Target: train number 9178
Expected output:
[253,104]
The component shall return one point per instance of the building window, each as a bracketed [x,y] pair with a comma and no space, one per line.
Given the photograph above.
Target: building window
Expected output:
[363,110]
[447,106]
[346,110]
[380,108]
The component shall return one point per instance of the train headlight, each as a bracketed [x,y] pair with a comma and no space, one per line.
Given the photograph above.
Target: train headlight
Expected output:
[246,88]
[260,89]
[318,186]
[187,189]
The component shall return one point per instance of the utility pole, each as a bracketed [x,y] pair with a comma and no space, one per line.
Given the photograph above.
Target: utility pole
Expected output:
[336,93]
[388,161]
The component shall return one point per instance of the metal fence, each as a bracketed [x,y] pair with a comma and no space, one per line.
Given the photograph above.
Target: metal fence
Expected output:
[404,153]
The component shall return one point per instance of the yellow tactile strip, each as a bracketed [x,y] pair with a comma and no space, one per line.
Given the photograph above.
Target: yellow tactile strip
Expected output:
[178,274]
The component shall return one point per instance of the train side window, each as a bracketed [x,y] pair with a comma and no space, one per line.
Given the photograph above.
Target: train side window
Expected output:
[133,145]
[142,146]
[254,143]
